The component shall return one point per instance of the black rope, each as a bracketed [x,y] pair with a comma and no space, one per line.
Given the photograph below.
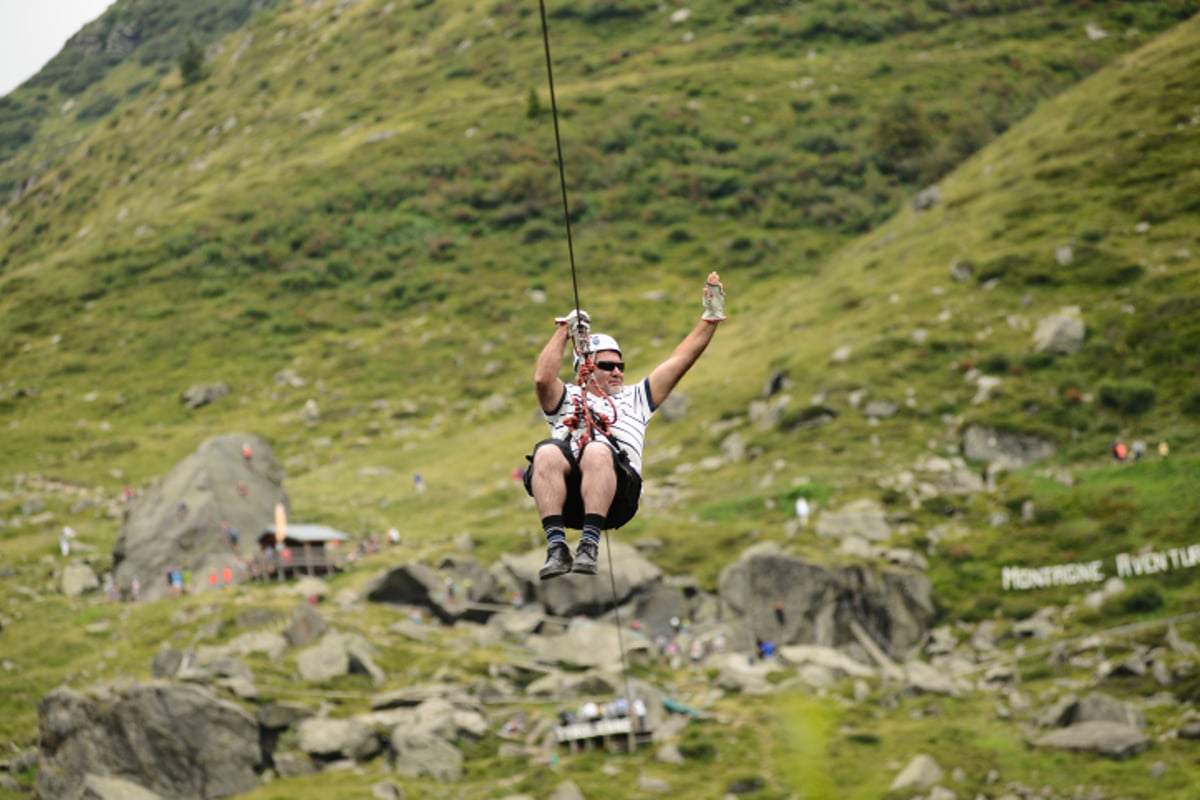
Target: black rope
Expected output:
[612,578]
[562,175]
[562,182]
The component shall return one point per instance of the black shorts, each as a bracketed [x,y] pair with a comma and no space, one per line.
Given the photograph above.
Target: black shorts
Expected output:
[625,501]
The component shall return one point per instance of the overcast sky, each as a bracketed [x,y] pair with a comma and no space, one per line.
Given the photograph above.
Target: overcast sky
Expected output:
[33,31]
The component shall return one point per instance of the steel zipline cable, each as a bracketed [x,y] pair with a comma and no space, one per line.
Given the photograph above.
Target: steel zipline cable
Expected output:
[562,175]
[562,182]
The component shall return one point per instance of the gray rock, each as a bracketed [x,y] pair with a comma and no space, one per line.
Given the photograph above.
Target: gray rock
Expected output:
[862,518]
[294,765]
[278,716]
[926,679]
[330,738]
[306,627]
[1111,739]
[444,591]
[97,787]
[256,618]
[1061,333]
[34,504]
[155,538]
[881,409]
[669,754]
[837,662]
[388,790]
[202,394]
[920,773]
[586,643]
[413,696]
[338,654]
[927,198]
[1180,645]
[567,790]
[788,601]
[1009,449]
[423,754]
[79,579]
[572,595]
[648,783]
[177,740]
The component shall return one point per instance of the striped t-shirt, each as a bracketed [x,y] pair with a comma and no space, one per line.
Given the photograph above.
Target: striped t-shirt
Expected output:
[634,409]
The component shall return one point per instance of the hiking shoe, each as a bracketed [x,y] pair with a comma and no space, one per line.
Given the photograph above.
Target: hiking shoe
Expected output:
[585,558]
[558,561]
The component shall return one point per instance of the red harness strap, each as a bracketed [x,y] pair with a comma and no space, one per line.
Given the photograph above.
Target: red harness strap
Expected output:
[582,412]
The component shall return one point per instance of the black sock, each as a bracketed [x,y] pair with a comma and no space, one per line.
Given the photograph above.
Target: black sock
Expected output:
[555,528]
[592,525]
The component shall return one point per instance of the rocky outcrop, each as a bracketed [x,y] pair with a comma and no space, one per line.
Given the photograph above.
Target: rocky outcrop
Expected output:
[789,601]
[177,524]
[1008,449]
[176,740]
[571,594]
[450,593]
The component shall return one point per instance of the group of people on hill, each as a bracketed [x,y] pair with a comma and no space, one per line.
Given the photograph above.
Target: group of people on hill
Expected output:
[1121,453]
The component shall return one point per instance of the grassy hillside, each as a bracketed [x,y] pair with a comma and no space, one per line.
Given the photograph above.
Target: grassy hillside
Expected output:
[365,194]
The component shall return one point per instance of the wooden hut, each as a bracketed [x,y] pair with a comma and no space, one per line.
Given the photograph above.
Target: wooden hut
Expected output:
[310,549]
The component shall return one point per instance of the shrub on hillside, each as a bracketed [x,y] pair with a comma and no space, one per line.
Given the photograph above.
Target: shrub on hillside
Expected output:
[902,136]
[98,107]
[1137,600]
[1127,397]
[191,63]
[1192,404]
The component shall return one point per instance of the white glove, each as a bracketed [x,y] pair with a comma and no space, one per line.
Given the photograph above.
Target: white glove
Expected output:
[714,299]
[578,323]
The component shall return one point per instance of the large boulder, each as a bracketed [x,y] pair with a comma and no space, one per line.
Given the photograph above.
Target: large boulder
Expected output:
[215,484]
[339,653]
[591,595]
[419,753]
[337,738]
[1004,448]
[450,592]
[586,643]
[176,740]
[786,600]
[1112,739]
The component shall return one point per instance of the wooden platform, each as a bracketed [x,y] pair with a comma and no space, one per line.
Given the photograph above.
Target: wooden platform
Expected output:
[610,734]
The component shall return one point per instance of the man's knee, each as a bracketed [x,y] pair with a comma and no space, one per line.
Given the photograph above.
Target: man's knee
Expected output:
[550,457]
[595,455]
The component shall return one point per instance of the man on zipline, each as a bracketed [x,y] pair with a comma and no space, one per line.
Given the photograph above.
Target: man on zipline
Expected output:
[587,475]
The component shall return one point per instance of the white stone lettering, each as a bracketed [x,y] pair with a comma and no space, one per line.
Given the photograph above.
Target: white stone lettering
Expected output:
[1057,575]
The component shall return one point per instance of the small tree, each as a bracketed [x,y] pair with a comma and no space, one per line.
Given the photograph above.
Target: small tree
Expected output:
[903,136]
[191,63]
[533,106]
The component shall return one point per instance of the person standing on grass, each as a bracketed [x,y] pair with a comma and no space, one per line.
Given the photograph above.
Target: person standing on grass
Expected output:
[588,477]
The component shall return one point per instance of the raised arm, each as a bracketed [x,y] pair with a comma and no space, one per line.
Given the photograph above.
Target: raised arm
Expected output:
[667,374]
[546,383]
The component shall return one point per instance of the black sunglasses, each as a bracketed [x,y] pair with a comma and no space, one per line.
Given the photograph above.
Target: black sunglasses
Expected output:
[609,366]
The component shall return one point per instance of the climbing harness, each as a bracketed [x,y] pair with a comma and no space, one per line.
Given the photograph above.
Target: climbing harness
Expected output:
[582,412]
